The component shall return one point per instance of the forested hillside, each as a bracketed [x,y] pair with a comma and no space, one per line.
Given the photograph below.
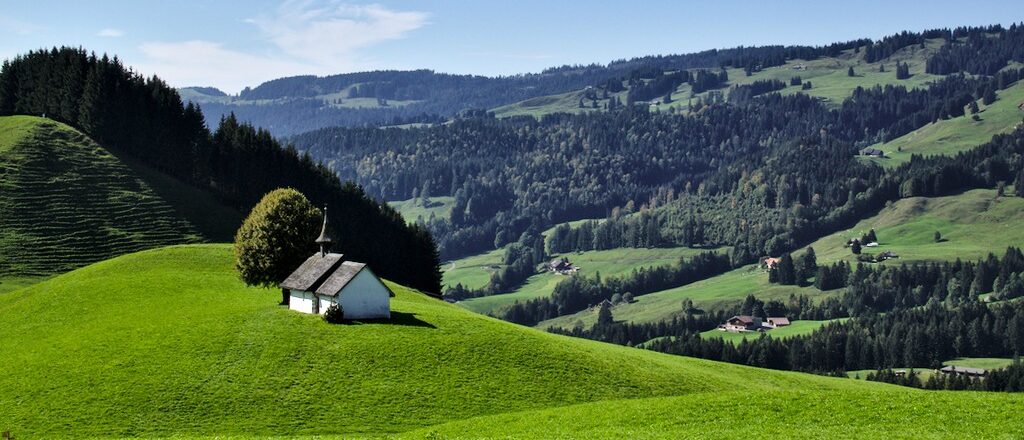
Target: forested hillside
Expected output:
[789,158]
[293,105]
[142,119]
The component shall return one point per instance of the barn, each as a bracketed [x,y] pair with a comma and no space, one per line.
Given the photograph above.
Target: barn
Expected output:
[326,278]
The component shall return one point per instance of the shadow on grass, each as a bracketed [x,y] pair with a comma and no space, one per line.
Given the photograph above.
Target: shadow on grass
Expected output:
[397,318]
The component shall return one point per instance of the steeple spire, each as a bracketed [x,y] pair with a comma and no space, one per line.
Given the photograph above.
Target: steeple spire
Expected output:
[324,240]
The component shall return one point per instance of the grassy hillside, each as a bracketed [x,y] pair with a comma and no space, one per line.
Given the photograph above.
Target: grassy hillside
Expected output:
[613,262]
[907,414]
[797,328]
[169,342]
[728,288]
[413,209]
[951,136]
[972,224]
[66,202]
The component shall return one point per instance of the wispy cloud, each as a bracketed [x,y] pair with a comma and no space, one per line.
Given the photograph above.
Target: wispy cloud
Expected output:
[110,33]
[301,37]
[330,32]
[199,62]
[18,27]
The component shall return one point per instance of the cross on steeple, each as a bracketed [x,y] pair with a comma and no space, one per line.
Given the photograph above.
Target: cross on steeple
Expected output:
[324,240]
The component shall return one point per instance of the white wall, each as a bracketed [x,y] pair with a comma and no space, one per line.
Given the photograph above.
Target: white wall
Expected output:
[365,297]
[300,301]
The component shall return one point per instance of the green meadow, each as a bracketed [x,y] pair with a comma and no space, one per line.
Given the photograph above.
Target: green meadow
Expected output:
[797,328]
[951,136]
[972,224]
[412,210]
[729,288]
[613,262]
[168,342]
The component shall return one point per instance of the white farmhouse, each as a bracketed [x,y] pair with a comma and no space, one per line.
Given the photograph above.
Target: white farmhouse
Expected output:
[325,279]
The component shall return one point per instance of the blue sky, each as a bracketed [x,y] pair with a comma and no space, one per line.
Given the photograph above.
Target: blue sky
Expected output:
[236,44]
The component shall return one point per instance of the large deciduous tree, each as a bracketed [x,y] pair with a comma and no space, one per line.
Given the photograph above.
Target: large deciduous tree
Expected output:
[276,237]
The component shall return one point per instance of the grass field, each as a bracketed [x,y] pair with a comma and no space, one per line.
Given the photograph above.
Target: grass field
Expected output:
[66,202]
[909,414]
[972,224]
[413,209]
[168,342]
[797,328]
[613,262]
[952,136]
[728,288]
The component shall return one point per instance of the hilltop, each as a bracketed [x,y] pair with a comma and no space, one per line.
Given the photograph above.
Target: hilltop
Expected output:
[198,353]
[66,202]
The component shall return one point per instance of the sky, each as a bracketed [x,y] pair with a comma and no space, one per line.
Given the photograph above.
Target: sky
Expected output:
[235,44]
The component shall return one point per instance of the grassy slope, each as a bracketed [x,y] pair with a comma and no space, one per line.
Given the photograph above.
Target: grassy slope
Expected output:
[797,328]
[411,211]
[730,287]
[973,224]
[908,414]
[66,202]
[614,262]
[958,134]
[168,342]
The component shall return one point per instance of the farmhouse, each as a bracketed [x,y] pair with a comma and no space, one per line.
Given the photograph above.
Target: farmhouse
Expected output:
[953,370]
[872,151]
[770,263]
[778,321]
[562,266]
[742,323]
[325,279]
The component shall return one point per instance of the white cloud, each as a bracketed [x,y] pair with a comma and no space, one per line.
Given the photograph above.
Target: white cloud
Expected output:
[18,27]
[328,33]
[110,33]
[192,63]
[302,37]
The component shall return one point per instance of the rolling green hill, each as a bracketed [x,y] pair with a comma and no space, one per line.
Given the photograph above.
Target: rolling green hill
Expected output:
[972,224]
[612,262]
[951,136]
[66,202]
[728,288]
[168,342]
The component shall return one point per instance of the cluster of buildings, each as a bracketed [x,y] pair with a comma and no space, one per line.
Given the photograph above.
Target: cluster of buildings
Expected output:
[747,323]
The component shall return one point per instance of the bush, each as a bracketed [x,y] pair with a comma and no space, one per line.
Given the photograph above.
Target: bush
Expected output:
[334,314]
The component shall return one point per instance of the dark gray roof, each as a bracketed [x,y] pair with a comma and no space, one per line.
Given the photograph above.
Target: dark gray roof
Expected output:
[340,278]
[312,272]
